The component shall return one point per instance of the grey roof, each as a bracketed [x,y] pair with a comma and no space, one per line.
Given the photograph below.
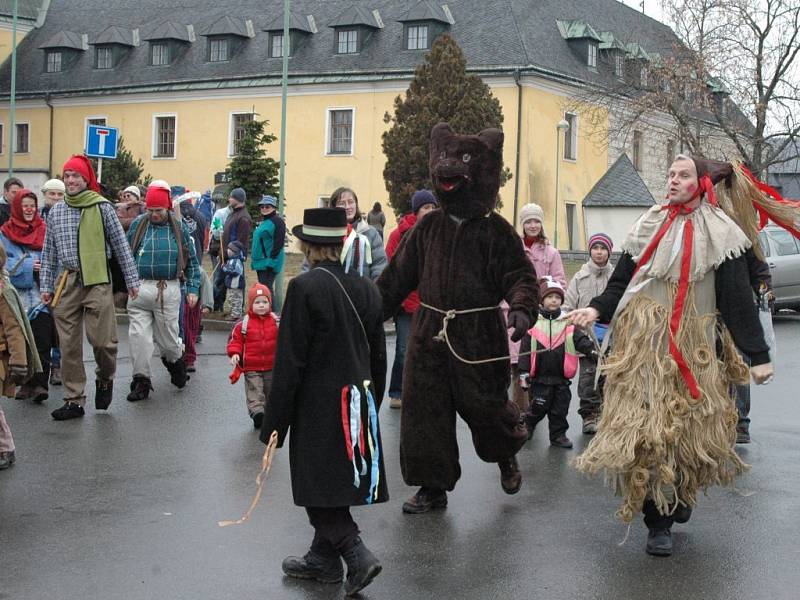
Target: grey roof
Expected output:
[577,30]
[226,25]
[500,36]
[296,23]
[621,186]
[167,30]
[27,10]
[355,14]
[610,42]
[426,10]
[115,35]
[63,39]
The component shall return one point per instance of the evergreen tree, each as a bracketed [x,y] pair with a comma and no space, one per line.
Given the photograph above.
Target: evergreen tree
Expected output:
[122,171]
[440,91]
[251,168]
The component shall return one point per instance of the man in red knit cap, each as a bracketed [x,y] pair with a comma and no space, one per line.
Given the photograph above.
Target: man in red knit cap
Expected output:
[83,234]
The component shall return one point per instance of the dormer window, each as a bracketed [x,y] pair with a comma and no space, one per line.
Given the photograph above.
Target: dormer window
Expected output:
[643,77]
[104,58]
[619,65]
[276,45]
[301,28]
[159,54]
[591,55]
[417,37]
[347,41]
[53,61]
[218,49]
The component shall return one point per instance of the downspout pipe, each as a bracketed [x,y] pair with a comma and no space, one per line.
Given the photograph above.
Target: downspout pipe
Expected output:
[517,78]
[48,101]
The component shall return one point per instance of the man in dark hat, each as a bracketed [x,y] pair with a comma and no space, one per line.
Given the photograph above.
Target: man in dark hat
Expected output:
[327,386]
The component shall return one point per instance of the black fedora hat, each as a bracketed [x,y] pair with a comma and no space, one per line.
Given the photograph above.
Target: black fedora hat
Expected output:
[322,226]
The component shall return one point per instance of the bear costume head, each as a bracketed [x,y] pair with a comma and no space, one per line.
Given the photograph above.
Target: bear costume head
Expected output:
[465,170]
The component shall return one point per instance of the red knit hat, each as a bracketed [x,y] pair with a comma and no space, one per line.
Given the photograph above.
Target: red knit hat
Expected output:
[81,165]
[258,290]
[157,197]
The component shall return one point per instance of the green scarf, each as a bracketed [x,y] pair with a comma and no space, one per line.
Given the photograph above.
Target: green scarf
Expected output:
[15,304]
[91,237]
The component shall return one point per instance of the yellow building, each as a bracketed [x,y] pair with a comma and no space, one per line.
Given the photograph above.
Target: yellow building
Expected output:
[178,82]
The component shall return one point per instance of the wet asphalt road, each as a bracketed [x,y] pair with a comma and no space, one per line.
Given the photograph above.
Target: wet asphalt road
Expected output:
[125,504]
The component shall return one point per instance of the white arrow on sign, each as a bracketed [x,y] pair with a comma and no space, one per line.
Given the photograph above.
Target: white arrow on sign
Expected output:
[101,143]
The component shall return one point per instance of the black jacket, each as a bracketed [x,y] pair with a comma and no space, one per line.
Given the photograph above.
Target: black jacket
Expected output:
[550,363]
[321,350]
[734,302]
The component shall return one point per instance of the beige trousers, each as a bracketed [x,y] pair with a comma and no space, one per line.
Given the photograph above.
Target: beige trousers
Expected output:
[153,321]
[93,306]
[256,389]
[6,441]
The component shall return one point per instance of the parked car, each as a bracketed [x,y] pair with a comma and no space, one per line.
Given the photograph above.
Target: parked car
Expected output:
[782,253]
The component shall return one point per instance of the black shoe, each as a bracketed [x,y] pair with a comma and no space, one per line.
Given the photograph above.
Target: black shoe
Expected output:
[104,391]
[258,419]
[561,441]
[659,542]
[531,426]
[177,372]
[70,410]
[424,500]
[325,569]
[191,368]
[24,392]
[682,514]
[362,567]
[7,459]
[510,475]
[742,435]
[140,388]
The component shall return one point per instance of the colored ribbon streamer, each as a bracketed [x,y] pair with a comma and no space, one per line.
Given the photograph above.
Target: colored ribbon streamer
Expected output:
[374,447]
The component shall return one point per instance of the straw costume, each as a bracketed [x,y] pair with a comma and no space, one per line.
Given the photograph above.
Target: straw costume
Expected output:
[680,297]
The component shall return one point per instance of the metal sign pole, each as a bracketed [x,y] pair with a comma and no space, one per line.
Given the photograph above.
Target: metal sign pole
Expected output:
[99,170]
[12,134]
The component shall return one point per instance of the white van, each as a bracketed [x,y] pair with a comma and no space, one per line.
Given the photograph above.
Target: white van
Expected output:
[782,253]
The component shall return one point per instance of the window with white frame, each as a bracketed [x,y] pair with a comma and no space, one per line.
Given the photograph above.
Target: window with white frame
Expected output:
[619,65]
[643,77]
[105,58]
[276,45]
[238,130]
[217,50]
[347,41]
[2,137]
[591,55]
[164,146]
[22,138]
[572,225]
[571,137]
[417,37]
[637,150]
[159,54]
[53,62]
[340,131]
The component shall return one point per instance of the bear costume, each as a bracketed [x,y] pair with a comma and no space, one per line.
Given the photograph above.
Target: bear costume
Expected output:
[464,256]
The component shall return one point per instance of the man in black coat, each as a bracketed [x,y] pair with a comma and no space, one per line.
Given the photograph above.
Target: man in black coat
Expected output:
[327,385]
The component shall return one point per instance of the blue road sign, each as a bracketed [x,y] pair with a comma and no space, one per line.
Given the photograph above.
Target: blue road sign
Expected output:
[101,142]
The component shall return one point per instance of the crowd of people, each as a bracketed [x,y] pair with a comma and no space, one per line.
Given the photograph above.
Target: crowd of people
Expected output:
[318,364]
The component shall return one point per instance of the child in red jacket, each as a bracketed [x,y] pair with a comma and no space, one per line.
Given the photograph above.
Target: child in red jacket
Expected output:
[252,350]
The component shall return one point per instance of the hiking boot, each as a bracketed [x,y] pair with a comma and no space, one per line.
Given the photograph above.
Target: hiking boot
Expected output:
[24,392]
[561,441]
[177,372]
[7,459]
[70,410]
[682,514]
[140,388]
[362,567]
[55,376]
[322,568]
[28,391]
[742,435]
[395,402]
[659,542]
[104,392]
[510,475]
[424,500]
[258,419]
[589,425]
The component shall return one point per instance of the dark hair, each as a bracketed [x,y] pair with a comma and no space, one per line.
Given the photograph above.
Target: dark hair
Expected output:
[377,207]
[12,181]
[337,193]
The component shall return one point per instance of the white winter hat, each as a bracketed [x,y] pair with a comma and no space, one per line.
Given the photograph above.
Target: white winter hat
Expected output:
[54,185]
[531,211]
[132,189]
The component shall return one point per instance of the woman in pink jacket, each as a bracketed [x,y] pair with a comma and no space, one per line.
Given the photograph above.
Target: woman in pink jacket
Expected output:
[547,263]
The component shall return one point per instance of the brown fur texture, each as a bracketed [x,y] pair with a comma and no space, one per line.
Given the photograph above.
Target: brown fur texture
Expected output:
[463,256]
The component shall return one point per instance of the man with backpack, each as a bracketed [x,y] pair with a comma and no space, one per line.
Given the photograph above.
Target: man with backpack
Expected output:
[165,258]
